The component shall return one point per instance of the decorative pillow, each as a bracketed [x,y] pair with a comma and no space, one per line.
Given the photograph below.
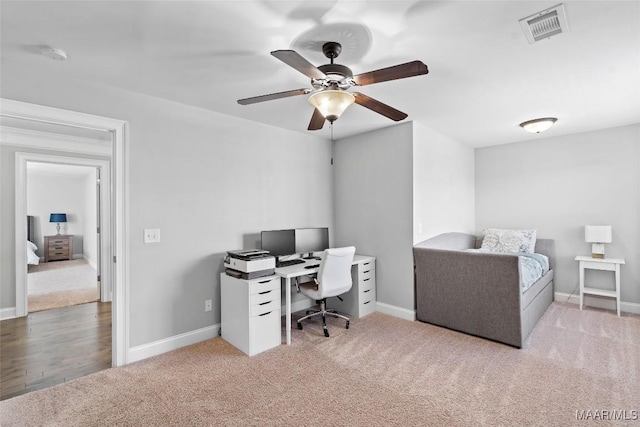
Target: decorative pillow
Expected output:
[509,241]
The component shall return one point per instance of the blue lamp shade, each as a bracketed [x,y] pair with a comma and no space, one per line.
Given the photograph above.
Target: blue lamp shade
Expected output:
[58,217]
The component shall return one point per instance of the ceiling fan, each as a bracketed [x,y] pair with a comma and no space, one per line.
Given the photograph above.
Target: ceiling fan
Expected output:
[330,83]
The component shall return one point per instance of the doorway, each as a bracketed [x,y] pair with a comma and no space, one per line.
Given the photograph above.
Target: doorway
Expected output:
[115,256]
[65,270]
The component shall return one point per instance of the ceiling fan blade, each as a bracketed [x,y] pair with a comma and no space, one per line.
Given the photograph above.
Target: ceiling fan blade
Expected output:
[273,96]
[293,59]
[410,69]
[317,120]
[379,107]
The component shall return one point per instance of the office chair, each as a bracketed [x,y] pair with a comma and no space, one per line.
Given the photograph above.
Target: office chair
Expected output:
[333,279]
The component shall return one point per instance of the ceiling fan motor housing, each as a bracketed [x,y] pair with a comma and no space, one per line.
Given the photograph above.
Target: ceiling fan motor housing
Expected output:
[338,76]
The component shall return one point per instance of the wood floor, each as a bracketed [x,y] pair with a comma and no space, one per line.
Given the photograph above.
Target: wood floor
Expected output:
[53,346]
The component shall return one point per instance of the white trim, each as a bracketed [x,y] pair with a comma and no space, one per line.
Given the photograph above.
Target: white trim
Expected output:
[52,141]
[175,342]
[393,310]
[119,209]
[7,313]
[77,256]
[594,301]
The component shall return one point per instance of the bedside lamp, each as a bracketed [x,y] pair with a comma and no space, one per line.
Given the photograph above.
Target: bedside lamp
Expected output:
[58,217]
[597,235]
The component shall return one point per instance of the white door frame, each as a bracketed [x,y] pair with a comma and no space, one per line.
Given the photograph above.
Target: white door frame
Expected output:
[22,159]
[119,250]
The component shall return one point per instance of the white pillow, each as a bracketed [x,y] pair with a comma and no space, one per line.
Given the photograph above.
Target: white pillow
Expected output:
[509,241]
[32,246]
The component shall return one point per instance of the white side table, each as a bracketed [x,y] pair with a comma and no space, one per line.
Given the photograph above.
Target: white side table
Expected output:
[607,264]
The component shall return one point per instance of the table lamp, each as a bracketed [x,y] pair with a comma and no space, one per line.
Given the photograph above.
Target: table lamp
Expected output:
[597,235]
[58,217]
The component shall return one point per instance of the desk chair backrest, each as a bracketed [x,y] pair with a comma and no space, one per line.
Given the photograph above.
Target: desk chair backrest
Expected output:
[334,274]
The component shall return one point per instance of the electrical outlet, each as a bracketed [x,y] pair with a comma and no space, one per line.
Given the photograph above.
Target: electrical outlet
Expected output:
[152,235]
[208,305]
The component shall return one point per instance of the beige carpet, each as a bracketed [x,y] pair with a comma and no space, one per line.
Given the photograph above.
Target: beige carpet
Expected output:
[383,371]
[61,284]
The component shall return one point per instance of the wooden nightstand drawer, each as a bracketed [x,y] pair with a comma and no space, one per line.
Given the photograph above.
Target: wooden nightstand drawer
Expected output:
[58,248]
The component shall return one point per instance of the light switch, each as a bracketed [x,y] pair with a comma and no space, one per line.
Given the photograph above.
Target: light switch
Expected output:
[152,235]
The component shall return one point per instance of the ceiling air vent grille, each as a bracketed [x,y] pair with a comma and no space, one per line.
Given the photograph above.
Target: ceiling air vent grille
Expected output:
[545,24]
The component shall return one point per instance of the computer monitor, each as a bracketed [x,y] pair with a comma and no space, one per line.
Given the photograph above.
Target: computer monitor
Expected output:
[279,242]
[309,240]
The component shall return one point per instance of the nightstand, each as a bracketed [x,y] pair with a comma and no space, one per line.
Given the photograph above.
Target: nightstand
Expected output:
[58,247]
[607,264]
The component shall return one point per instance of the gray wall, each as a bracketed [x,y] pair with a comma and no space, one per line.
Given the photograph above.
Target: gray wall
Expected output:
[49,192]
[559,185]
[208,181]
[374,206]
[443,185]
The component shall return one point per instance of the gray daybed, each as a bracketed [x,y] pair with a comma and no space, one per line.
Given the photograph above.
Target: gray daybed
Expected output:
[478,293]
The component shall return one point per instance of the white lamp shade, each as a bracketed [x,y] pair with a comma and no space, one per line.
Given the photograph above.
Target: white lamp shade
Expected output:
[597,233]
[331,103]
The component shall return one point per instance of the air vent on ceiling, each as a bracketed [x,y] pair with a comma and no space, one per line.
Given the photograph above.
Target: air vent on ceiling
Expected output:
[545,24]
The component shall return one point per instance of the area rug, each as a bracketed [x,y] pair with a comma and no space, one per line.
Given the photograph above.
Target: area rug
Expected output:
[61,284]
[60,299]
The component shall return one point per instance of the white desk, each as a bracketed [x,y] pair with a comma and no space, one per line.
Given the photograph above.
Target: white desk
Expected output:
[607,264]
[298,270]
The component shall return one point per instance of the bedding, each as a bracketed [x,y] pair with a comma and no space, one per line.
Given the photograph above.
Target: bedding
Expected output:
[509,241]
[531,267]
[32,258]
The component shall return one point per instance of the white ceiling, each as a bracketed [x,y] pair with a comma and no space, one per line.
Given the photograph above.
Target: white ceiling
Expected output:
[484,78]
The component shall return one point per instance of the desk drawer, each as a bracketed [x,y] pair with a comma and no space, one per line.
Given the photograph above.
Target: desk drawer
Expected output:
[264,332]
[265,296]
[265,307]
[367,283]
[366,273]
[367,307]
[259,286]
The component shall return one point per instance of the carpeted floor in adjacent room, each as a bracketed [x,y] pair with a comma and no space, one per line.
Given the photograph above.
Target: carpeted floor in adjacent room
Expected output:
[61,284]
[382,371]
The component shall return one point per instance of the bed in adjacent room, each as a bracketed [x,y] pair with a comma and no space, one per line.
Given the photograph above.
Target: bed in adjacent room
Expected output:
[32,256]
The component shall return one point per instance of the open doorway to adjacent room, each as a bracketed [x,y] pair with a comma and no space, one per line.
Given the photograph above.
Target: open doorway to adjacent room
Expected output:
[59,150]
[65,270]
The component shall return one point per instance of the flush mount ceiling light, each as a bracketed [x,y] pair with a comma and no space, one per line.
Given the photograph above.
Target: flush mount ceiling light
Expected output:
[54,53]
[538,125]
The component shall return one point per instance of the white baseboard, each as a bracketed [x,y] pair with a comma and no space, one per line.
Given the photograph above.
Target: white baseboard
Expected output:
[77,256]
[594,301]
[7,313]
[91,262]
[175,342]
[392,310]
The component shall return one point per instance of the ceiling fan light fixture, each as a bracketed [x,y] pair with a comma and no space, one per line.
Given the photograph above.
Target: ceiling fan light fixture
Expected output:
[538,125]
[331,103]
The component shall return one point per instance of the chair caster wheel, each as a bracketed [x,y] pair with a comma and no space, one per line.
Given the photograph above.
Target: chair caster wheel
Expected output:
[300,326]
[347,325]
[326,333]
